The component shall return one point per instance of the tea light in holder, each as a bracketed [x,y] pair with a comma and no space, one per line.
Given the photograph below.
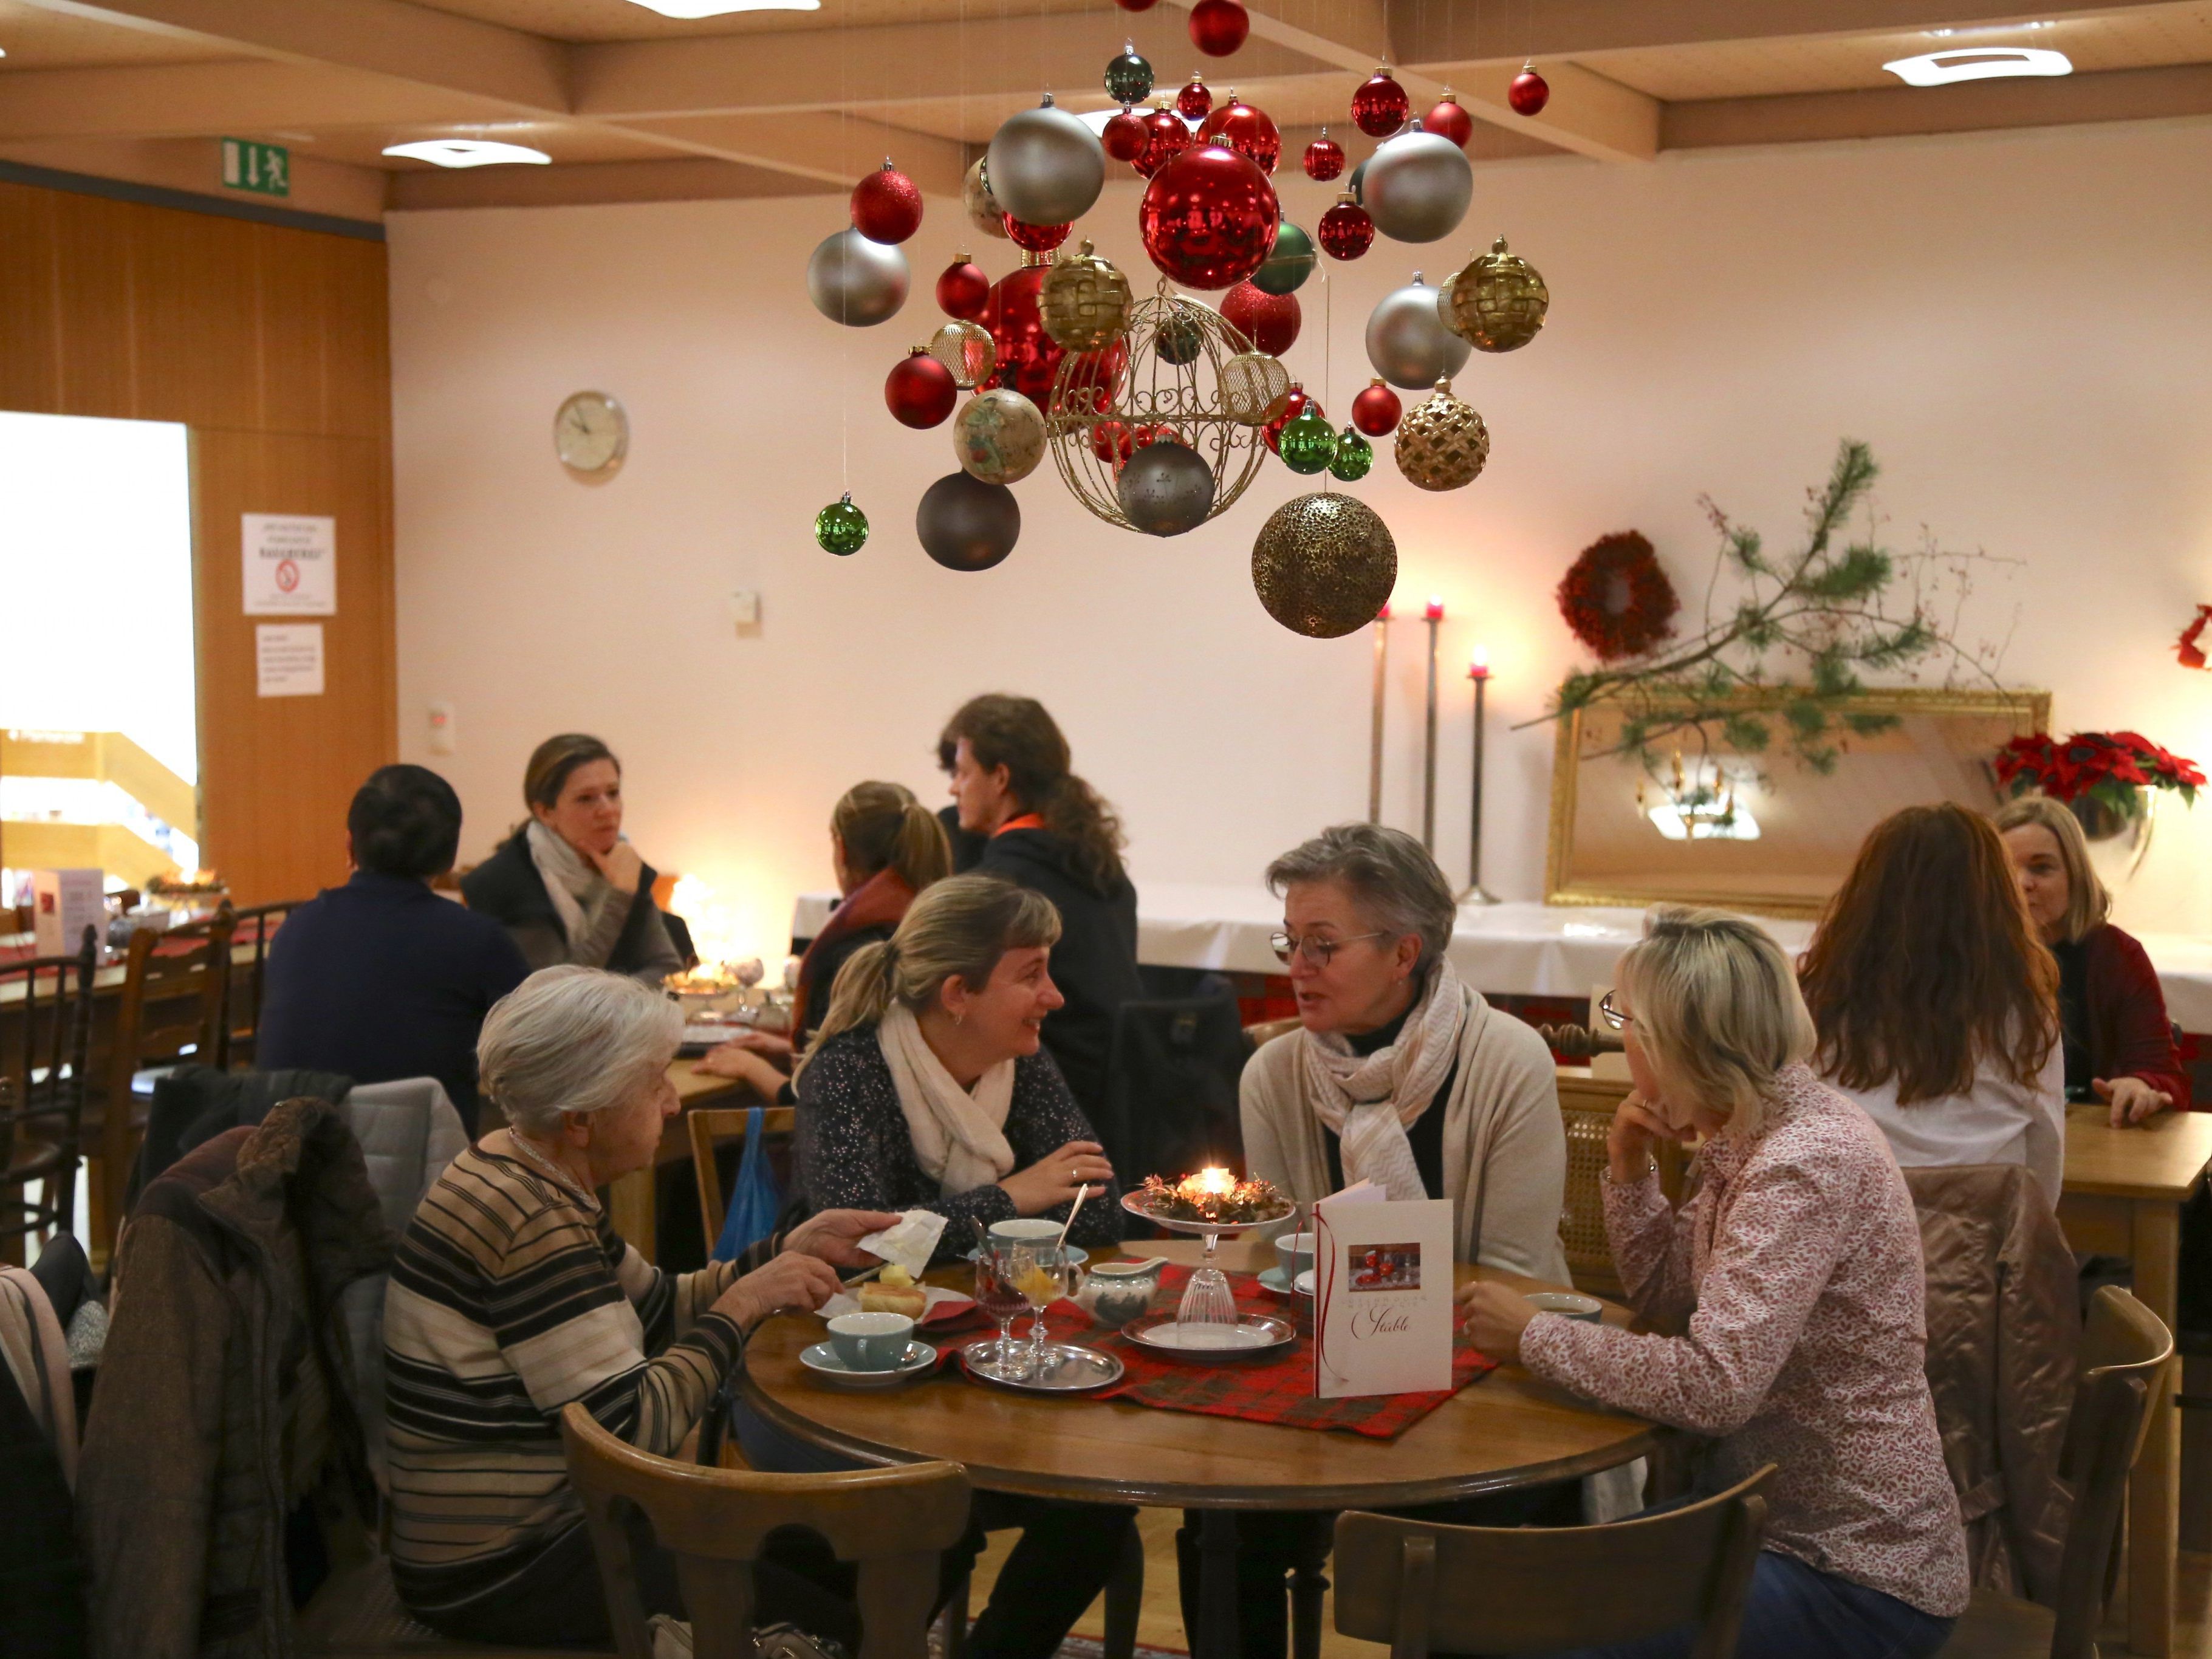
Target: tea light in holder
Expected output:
[1432,614]
[1478,670]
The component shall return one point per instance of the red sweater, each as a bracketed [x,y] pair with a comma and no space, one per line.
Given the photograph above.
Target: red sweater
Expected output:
[2123,1024]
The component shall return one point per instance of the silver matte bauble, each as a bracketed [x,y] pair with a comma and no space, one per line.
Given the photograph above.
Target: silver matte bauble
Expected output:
[1417,187]
[854,281]
[965,524]
[982,208]
[1046,167]
[1165,488]
[1408,344]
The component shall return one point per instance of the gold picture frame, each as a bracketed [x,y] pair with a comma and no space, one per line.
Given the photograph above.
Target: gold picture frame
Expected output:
[1598,852]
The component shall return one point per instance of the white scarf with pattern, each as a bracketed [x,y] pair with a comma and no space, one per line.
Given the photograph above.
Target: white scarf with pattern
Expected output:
[1370,1101]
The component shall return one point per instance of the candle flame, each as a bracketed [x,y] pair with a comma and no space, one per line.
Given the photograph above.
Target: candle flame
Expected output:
[1480,658]
[1212,1179]
[1436,609]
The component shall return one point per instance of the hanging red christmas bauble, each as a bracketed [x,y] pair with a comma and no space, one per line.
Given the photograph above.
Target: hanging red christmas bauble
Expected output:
[1218,27]
[1449,119]
[1111,443]
[1166,137]
[1102,376]
[1134,5]
[1270,321]
[1295,404]
[1379,106]
[1345,231]
[1324,158]
[1375,411]
[1209,217]
[920,391]
[1036,239]
[1195,102]
[1124,137]
[1028,356]
[886,205]
[963,290]
[1246,131]
[1163,433]
[1529,92]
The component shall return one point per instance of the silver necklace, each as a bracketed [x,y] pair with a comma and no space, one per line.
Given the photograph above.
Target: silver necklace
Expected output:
[521,1144]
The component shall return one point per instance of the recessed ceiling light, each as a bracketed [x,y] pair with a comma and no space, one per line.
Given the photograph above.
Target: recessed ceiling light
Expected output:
[1942,68]
[724,8]
[1992,28]
[467,152]
[1097,119]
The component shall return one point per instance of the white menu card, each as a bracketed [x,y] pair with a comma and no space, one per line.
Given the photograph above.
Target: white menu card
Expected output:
[1382,1294]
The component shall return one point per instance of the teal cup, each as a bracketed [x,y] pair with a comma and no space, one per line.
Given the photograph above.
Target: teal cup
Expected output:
[871,1342]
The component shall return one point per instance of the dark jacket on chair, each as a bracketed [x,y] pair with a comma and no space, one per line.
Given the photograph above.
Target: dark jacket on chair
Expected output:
[222,1401]
[2003,1325]
[507,888]
[1094,964]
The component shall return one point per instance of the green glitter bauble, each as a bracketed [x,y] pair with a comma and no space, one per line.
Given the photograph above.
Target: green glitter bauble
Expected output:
[1354,455]
[1307,443]
[1289,266]
[1128,78]
[842,527]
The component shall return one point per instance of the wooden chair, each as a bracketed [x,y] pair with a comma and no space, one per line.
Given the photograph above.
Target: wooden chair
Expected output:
[891,1523]
[2126,1369]
[1488,1590]
[710,1124]
[48,1043]
[256,927]
[1263,1032]
[1587,1104]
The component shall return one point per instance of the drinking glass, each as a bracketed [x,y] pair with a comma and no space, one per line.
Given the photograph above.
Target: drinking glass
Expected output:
[999,1297]
[1040,1273]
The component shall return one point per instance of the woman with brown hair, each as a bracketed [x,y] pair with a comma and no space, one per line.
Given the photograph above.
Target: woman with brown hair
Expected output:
[1051,832]
[1935,1004]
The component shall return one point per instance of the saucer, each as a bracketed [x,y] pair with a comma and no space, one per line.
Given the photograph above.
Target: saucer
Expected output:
[821,1359]
[1077,1255]
[1276,1282]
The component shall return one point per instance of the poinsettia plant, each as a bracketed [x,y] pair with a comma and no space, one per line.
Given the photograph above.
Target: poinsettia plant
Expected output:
[2105,766]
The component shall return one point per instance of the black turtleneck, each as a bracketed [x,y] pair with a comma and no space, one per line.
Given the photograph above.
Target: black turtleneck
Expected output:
[1426,1134]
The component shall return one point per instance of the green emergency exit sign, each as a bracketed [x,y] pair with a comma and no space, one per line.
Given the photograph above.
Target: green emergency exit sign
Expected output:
[265,169]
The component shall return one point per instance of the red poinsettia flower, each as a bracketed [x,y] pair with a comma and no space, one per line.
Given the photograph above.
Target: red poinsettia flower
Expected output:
[2102,763]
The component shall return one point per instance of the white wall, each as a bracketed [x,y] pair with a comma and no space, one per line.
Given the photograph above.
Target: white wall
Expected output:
[2019,324]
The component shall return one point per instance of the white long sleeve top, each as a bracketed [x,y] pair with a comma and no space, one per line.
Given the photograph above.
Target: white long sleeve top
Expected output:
[1996,1122]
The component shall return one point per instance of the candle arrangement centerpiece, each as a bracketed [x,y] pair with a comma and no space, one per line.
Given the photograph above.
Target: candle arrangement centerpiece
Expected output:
[1213,1201]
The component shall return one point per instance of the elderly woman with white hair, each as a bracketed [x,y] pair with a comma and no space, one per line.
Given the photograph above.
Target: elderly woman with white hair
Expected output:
[1796,1264]
[512,1296]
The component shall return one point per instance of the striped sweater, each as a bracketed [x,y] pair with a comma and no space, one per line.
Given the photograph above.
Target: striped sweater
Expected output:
[512,1296]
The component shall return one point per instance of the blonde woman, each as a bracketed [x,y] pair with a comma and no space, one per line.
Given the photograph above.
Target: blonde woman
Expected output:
[1797,1265]
[2118,1040]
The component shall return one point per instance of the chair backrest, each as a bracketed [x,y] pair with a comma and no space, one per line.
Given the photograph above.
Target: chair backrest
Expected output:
[711,1124]
[1421,1587]
[1171,1080]
[1586,1105]
[890,1524]
[45,1045]
[256,927]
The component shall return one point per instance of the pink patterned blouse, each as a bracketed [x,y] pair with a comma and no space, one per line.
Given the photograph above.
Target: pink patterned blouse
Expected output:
[1797,1260]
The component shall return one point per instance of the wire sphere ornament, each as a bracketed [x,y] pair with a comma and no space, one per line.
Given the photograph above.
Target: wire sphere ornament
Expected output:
[1202,400]
[967,352]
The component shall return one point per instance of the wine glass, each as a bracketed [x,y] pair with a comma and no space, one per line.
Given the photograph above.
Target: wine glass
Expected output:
[999,1298]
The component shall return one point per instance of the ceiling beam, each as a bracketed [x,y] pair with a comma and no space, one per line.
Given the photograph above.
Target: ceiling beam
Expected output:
[820,145]
[686,179]
[184,100]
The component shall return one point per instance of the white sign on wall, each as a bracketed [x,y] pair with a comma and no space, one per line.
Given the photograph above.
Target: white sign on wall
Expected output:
[288,658]
[291,565]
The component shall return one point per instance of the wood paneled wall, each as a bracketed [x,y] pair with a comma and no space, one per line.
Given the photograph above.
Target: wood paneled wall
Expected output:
[271,344]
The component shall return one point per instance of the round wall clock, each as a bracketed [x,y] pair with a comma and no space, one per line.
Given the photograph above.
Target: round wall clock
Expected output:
[591,433]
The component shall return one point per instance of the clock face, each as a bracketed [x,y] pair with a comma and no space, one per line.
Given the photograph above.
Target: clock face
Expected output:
[591,433]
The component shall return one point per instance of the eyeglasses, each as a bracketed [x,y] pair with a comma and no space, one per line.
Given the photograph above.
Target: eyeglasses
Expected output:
[1315,950]
[1611,1015]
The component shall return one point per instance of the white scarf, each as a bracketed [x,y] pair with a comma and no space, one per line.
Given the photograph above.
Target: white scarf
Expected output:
[1371,1101]
[959,1136]
[572,881]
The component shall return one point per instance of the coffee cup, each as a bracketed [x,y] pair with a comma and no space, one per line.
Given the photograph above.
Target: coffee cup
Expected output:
[1587,1309]
[871,1342]
[1026,1230]
[1295,1252]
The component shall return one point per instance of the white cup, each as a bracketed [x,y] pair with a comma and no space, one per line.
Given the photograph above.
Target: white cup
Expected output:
[1026,1230]
[1296,1251]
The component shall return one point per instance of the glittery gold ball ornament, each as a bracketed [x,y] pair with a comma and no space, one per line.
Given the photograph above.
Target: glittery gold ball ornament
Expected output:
[1253,387]
[1496,303]
[999,437]
[1443,444]
[983,210]
[1324,565]
[1084,301]
[967,353]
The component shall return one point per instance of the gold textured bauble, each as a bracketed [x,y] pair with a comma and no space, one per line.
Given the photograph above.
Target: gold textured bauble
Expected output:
[983,210]
[966,351]
[1497,302]
[1443,444]
[1253,387]
[1084,301]
[1324,565]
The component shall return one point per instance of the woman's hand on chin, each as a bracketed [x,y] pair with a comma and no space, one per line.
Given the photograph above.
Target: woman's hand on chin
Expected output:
[834,1236]
[621,866]
[794,1280]
[1053,1179]
[1637,1126]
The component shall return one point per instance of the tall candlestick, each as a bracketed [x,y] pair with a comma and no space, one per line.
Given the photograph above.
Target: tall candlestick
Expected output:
[1478,670]
[1375,733]
[1433,615]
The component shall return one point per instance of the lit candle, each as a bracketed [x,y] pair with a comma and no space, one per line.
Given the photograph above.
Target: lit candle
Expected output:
[1478,667]
[1435,610]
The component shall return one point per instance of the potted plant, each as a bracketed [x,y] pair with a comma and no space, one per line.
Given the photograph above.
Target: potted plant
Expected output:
[2108,780]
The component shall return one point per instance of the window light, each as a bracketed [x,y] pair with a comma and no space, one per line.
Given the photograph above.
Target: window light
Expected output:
[1942,68]
[467,152]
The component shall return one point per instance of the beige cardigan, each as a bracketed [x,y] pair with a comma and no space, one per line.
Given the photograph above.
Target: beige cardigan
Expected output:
[1505,1144]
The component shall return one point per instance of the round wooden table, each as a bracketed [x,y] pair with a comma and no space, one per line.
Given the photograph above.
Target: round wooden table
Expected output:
[1503,1431]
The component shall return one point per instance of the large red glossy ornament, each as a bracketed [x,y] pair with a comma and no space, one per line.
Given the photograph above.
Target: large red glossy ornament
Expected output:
[1345,231]
[1209,217]
[1449,119]
[963,290]
[1375,411]
[1324,158]
[1134,5]
[1218,27]
[1028,356]
[1270,321]
[886,205]
[920,392]
[1246,130]
[1379,106]
[1167,138]
[1529,92]
[1124,137]
[1111,442]
[1295,404]
[1036,239]
[1105,372]
[1195,102]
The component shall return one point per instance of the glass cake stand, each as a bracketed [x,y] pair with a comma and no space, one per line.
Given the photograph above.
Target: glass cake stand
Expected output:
[1207,1299]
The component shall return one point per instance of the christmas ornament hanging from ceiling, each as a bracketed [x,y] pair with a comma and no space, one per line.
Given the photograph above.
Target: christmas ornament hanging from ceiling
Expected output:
[1208,218]
[1135,5]
[1443,444]
[999,437]
[963,289]
[981,207]
[920,391]
[1028,357]
[1128,77]
[1045,167]
[1124,137]
[1195,102]
[1417,187]
[1218,27]
[841,527]
[1085,301]
[1289,262]
[966,351]
[1497,302]
[965,524]
[1345,232]
[1165,488]
[1407,341]
[1379,106]
[1270,321]
[1324,158]
[1295,403]
[1354,455]
[1307,444]
[1448,118]
[1324,565]
[1375,411]
[854,281]
[1529,92]
[1253,387]
[886,206]
[1035,239]
[1166,137]
[1246,131]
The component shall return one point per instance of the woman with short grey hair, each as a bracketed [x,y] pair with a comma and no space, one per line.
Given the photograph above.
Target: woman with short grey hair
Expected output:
[512,1296]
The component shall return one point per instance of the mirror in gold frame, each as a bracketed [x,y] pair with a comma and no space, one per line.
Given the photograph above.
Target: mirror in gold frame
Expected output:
[1705,823]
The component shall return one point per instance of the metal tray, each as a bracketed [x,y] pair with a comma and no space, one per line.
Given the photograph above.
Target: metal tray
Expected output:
[1066,1369]
[1155,1335]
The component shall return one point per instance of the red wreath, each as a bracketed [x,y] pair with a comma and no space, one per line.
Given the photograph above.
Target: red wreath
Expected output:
[1616,599]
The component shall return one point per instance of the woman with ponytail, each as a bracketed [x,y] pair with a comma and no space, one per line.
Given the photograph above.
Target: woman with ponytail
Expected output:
[1051,832]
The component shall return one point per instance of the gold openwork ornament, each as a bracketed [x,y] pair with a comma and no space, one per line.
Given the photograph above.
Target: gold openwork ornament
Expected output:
[1253,387]
[1324,565]
[1443,444]
[1497,302]
[1084,301]
[966,351]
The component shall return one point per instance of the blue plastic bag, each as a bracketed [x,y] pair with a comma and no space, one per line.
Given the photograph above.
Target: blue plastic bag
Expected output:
[755,1200]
